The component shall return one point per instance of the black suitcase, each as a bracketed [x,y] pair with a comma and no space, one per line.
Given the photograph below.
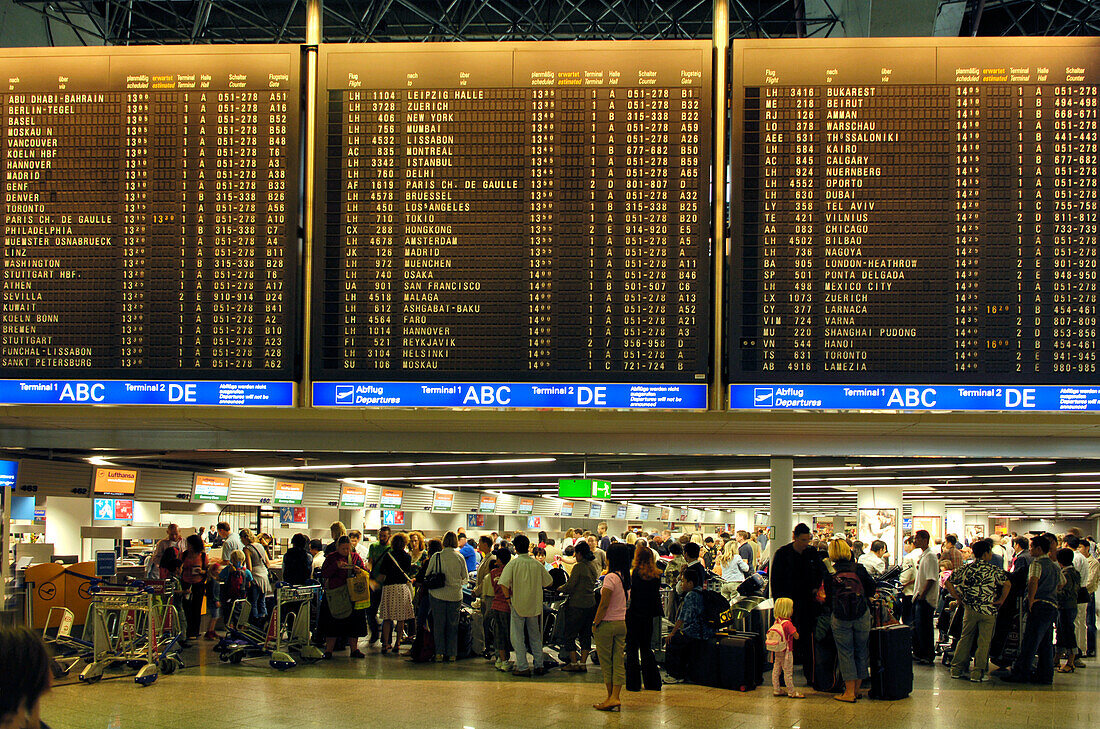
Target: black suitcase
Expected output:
[891,653]
[704,665]
[822,667]
[739,661]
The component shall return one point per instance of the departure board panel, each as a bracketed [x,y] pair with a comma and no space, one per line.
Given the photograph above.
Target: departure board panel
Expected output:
[914,224]
[527,213]
[150,214]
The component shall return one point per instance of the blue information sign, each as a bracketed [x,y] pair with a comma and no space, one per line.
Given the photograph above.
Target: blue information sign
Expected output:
[1045,398]
[9,470]
[146,392]
[509,395]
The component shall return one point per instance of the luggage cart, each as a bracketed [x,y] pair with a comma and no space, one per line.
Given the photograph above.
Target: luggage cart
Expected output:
[67,650]
[287,630]
[136,625]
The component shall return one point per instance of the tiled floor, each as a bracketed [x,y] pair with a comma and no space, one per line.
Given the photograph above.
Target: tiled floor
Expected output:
[383,691]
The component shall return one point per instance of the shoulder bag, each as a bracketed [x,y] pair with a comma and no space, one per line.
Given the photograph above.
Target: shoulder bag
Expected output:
[433,580]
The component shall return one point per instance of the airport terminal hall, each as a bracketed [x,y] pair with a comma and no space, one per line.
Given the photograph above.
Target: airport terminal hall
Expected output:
[513,364]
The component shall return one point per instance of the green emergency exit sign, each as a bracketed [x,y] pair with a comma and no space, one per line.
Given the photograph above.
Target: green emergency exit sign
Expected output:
[583,488]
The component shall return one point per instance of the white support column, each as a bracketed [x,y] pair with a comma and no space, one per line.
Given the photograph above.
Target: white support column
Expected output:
[782,502]
[743,519]
[930,508]
[956,522]
[884,503]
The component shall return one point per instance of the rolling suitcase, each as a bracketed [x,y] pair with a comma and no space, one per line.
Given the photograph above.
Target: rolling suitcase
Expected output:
[704,663]
[739,662]
[891,653]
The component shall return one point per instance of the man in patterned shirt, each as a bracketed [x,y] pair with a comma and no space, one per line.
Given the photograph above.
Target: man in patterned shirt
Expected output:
[982,588]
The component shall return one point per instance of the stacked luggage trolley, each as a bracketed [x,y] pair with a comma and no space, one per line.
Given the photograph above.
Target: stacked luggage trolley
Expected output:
[287,630]
[135,625]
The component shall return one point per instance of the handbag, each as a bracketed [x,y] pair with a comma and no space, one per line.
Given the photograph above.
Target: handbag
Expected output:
[1083,595]
[434,580]
[339,601]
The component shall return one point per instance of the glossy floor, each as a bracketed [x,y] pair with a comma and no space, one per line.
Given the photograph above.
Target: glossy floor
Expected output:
[384,691]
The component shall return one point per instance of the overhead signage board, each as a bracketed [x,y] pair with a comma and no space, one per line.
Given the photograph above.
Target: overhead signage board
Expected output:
[353,497]
[9,472]
[502,275]
[289,492]
[111,481]
[443,501]
[595,510]
[211,488]
[567,508]
[391,498]
[488,504]
[526,506]
[620,513]
[903,238]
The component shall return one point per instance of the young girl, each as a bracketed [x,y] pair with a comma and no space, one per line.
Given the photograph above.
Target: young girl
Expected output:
[783,659]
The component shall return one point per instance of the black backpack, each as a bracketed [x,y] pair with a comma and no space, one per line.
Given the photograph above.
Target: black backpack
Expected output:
[713,607]
[849,599]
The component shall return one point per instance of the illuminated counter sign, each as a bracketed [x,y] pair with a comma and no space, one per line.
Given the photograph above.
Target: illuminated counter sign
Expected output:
[353,497]
[567,508]
[150,222]
[908,236]
[443,501]
[146,392]
[509,395]
[114,482]
[288,492]
[462,238]
[620,513]
[391,499]
[488,504]
[211,488]
[526,506]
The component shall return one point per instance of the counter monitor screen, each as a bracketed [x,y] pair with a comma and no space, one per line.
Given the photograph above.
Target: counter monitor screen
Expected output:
[442,501]
[526,506]
[914,224]
[114,482]
[289,492]
[210,488]
[149,214]
[526,213]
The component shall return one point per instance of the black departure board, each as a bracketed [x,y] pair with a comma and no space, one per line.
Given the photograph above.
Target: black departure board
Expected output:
[150,213]
[913,211]
[513,212]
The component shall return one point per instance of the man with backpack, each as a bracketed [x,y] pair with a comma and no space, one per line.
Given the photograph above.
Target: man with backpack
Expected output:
[171,547]
[698,619]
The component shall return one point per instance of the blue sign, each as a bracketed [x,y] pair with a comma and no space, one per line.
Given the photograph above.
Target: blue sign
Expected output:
[9,470]
[106,563]
[146,392]
[40,515]
[907,523]
[509,395]
[103,509]
[22,508]
[900,398]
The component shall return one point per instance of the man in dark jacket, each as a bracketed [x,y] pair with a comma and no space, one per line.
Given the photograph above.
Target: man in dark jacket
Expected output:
[796,571]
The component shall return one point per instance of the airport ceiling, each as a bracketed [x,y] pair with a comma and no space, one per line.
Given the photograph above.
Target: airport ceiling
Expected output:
[257,21]
[1017,488]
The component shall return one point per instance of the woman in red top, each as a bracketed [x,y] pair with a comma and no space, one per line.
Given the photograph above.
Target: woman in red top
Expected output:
[193,577]
[501,610]
[341,563]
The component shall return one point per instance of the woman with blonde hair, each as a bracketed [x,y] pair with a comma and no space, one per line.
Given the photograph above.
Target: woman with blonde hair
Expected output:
[847,591]
[631,538]
[337,530]
[257,561]
[417,547]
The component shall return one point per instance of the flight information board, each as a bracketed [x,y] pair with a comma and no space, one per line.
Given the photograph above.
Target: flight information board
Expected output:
[526,216]
[917,226]
[149,214]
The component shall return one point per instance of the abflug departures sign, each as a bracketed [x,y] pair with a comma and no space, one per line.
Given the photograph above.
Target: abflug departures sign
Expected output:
[917,226]
[513,225]
[149,213]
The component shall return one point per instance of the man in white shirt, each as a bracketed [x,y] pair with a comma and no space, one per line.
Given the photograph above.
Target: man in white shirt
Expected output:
[926,595]
[1092,582]
[523,580]
[174,539]
[230,542]
[873,560]
[1081,564]
[908,579]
